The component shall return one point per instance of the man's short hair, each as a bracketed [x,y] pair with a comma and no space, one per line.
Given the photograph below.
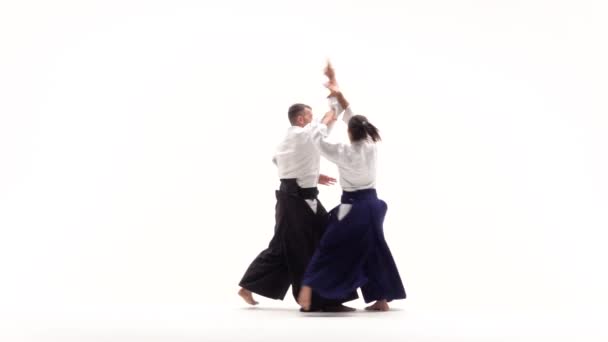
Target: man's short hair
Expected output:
[295,111]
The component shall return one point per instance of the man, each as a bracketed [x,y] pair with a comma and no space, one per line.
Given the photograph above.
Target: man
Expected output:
[300,216]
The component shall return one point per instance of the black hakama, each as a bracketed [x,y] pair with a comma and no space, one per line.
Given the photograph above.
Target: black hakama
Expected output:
[297,233]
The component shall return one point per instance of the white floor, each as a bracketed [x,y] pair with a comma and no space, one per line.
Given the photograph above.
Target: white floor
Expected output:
[280,321]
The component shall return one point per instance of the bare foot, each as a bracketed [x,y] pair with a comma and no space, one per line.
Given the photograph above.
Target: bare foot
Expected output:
[379,305]
[304,297]
[247,296]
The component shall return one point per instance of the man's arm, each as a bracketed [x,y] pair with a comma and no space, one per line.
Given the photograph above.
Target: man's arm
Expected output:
[326,180]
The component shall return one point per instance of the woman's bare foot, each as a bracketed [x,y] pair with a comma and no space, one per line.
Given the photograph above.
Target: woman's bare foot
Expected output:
[379,305]
[247,296]
[304,297]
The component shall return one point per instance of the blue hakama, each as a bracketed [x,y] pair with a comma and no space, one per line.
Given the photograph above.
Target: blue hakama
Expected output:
[354,254]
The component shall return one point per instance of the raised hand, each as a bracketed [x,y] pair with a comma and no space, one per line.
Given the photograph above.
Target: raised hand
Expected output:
[330,72]
[334,90]
[332,83]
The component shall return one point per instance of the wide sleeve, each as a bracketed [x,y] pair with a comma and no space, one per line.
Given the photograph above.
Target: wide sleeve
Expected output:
[348,113]
[332,151]
[317,131]
[335,152]
[335,105]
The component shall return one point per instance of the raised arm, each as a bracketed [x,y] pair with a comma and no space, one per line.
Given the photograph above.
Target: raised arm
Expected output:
[332,85]
[320,130]
[332,151]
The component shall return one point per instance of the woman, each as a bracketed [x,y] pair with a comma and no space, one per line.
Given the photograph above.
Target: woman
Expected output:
[353,252]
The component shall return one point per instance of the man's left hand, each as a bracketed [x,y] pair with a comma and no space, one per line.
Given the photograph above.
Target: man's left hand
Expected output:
[326,180]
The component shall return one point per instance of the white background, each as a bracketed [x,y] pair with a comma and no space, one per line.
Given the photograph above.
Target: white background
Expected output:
[136,141]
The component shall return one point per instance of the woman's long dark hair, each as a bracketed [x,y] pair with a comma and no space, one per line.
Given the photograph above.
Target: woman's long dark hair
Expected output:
[360,129]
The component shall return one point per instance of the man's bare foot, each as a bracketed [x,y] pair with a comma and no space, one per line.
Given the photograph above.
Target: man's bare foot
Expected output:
[379,305]
[304,297]
[247,296]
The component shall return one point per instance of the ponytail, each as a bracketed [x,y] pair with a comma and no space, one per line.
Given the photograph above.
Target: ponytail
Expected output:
[361,129]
